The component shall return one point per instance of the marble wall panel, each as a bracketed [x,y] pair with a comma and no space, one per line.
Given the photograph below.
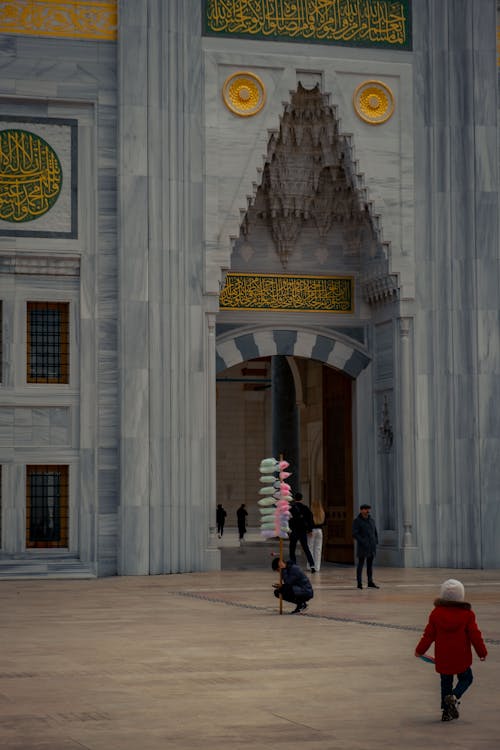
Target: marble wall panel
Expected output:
[58,70]
[489,394]
[468,518]
[464,424]
[488,349]
[489,450]
[486,225]
[384,351]
[461,215]
[422,395]
[424,341]
[108,485]
[464,344]
[39,426]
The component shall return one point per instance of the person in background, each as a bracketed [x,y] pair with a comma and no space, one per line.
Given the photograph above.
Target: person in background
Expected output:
[453,629]
[300,523]
[365,533]
[241,515]
[220,517]
[316,535]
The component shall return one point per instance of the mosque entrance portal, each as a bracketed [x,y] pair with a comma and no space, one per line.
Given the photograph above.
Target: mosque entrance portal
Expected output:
[315,434]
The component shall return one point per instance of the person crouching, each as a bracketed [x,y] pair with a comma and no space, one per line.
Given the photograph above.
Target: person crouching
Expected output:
[295,587]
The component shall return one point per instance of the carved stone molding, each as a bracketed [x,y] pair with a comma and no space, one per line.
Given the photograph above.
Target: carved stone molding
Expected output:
[310,176]
[377,284]
[42,265]
[244,94]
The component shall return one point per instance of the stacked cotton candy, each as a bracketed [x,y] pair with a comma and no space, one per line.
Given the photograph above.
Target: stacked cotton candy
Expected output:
[274,505]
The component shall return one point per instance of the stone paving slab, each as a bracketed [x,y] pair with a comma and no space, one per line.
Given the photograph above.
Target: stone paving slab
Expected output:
[206,661]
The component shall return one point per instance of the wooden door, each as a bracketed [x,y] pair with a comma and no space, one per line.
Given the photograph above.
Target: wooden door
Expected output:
[337,465]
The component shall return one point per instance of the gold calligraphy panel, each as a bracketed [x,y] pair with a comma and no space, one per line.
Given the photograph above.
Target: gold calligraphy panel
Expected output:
[372,23]
[30,176]
[246,291]
[73,20]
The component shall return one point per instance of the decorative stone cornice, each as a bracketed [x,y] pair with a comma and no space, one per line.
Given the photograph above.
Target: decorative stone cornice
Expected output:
[40,265]
[310,177]
[377,284]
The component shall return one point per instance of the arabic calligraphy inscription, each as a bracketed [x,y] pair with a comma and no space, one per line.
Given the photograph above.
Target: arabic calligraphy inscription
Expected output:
[30,176]
[244,291]
[369,23]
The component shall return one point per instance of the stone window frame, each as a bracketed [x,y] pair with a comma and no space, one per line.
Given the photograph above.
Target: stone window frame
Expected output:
[60,342]
[61,523]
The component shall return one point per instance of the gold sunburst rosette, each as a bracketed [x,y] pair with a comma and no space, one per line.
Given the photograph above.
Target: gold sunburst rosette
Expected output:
[373,102]
[244,93]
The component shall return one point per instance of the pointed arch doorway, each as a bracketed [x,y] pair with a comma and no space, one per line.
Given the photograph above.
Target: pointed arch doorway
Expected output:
[324,399]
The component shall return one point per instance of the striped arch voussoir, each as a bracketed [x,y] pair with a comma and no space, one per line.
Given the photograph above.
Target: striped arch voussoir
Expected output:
[245,346]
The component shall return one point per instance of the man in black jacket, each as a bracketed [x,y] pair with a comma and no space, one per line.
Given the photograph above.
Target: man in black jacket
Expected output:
[364,532]
[301,523]
[295,587]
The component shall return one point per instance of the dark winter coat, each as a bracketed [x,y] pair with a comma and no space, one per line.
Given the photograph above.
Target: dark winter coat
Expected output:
[241,515]
[301,520]
[220,515]
[452,627]
[364,532]
[295,577]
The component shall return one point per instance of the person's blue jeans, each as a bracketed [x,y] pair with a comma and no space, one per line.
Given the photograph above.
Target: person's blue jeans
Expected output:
[464,682]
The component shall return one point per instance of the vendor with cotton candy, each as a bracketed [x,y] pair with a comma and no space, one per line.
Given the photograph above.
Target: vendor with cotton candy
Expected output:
[274,505]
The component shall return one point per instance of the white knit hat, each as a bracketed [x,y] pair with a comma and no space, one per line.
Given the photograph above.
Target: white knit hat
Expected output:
[453,590]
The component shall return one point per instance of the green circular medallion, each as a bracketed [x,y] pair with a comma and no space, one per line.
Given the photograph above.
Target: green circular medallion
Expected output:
[30,176]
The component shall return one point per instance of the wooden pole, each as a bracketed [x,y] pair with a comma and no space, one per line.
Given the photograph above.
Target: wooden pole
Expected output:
[281,558]
[281,575]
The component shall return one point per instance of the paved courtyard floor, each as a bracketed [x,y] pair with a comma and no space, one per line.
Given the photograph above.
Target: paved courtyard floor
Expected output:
[206,661]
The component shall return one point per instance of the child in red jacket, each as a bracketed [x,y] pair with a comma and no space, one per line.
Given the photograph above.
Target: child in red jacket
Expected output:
[452,626]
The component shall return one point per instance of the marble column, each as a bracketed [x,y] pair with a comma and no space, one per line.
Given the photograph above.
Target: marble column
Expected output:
[134,271]
[406,435]
[167,338]
[458,290]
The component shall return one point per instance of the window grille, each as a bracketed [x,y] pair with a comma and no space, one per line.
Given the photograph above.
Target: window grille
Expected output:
[48,342]
[47,506]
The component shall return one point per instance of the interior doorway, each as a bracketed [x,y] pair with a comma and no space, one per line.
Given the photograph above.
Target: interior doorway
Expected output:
[244,427]
[337,466]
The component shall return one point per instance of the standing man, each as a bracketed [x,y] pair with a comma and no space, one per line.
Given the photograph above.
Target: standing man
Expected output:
[364,532]
[241,515]
[301,523]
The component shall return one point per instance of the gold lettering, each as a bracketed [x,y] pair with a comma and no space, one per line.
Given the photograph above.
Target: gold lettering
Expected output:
[281,292]
[373,21]
[30,176]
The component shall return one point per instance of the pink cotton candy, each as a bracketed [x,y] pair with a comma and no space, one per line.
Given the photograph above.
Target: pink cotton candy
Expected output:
[283,465]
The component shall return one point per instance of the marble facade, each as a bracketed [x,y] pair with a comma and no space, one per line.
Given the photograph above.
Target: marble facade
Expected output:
[166,175]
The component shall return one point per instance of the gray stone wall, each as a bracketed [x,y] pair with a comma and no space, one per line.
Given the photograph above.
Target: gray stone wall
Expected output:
[166,335]
[78,424]
[457,296]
